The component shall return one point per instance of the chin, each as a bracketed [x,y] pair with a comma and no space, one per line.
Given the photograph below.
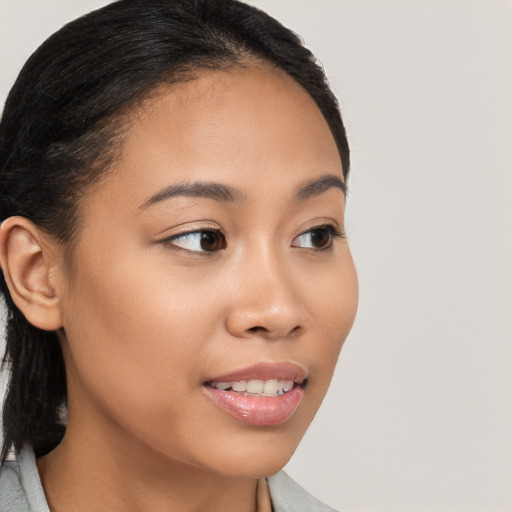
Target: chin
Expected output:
[253,468]
[256,458]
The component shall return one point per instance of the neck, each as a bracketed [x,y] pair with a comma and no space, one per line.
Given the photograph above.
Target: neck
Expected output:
[96,468]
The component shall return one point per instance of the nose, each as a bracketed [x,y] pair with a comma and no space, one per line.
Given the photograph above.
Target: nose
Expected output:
[267,304]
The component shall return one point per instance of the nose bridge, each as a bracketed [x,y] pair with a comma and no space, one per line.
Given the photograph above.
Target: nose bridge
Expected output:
[272,281]
[268,301]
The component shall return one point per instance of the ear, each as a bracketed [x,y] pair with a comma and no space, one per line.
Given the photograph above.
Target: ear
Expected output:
[26,258]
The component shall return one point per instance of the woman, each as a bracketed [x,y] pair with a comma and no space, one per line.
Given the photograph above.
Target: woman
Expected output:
[174,260]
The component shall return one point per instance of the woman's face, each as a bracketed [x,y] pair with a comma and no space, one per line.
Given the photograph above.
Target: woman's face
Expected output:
[210,276]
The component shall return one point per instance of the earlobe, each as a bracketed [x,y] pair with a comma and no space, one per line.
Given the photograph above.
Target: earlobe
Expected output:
[26,259]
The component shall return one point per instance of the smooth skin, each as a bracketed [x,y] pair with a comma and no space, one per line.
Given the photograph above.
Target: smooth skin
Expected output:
[149,315]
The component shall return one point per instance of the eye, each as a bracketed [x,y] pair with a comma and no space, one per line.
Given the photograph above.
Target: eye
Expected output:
[320,237]
[206,240]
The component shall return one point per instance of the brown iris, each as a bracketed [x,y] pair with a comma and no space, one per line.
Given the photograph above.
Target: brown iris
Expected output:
[320,238]
[212,241]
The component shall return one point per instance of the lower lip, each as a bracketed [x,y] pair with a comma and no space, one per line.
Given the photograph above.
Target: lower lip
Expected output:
[258,410]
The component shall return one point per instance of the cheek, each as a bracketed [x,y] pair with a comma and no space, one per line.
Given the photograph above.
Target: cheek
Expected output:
[137,349]
[135,335]
[332,301]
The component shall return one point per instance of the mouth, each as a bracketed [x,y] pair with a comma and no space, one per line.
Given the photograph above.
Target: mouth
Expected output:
[262,395]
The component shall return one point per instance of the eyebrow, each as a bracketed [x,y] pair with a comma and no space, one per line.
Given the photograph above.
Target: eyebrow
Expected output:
[218,192]
[207,190]
[317,186]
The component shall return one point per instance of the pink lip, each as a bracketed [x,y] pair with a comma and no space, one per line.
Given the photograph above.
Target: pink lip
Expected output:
[260,410]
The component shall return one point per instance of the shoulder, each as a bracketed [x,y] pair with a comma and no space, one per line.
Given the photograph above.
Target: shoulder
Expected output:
[288,496]
[12,494]
[20,486]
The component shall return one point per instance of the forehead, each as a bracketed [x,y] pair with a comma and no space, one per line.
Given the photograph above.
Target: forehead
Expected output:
[236,126]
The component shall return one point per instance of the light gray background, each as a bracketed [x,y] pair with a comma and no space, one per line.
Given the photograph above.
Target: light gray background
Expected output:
[419,415]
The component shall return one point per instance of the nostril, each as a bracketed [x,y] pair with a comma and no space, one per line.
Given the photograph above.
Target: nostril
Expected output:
[258,329]
[264,331]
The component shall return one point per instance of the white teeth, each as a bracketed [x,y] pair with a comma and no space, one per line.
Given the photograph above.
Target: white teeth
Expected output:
[255,386]
[239,385]
[271,387]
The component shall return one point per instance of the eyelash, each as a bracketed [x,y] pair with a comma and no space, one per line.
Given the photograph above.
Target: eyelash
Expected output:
[332,231]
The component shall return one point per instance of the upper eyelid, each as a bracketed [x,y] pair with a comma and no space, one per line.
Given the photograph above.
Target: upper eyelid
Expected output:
[319,222]
[326,225]
[190,231]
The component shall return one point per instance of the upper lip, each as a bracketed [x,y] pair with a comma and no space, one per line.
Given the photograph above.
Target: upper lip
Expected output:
[265,371]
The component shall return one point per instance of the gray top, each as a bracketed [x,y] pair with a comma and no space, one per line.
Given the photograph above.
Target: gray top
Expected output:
[21,489]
